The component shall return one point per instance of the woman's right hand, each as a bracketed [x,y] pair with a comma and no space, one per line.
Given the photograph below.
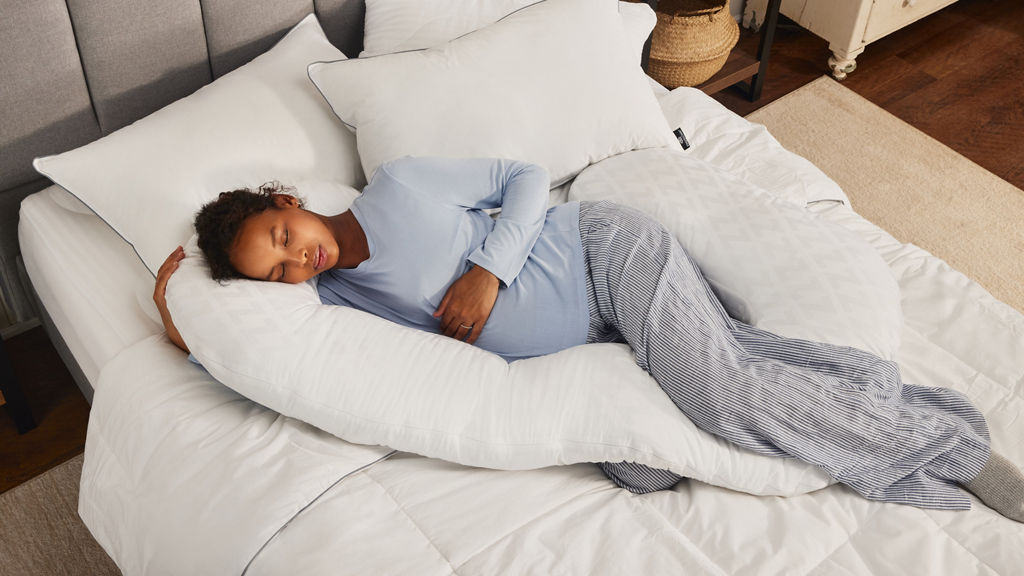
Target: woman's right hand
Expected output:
[160,295]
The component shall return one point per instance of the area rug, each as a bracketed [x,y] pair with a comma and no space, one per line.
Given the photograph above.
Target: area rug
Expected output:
[908,183]
[41,533]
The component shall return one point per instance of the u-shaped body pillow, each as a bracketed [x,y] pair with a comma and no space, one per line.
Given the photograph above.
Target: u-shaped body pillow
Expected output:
[370,381]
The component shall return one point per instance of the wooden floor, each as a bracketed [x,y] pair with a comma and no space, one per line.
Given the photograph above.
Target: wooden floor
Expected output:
[954,75]
[57,405]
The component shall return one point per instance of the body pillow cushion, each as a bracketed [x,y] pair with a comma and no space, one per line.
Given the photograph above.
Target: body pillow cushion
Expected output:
[400,25]
[261,122]
[772,264]
[551,84]
[370,381]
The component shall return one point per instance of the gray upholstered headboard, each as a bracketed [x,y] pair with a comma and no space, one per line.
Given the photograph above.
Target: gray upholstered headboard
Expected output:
[72,71]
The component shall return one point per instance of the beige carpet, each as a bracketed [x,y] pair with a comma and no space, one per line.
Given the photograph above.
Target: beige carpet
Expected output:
[41,533]
[897,177]
[908,183]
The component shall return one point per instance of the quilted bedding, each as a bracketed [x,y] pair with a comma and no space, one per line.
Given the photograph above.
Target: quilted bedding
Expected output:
[184,476]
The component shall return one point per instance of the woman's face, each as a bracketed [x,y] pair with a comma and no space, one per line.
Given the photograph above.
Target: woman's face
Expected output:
[288,244]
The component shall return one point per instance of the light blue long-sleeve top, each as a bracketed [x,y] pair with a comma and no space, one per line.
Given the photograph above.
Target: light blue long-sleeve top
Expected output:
[425,224]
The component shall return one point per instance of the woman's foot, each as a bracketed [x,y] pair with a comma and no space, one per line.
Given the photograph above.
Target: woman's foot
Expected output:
[1000,485]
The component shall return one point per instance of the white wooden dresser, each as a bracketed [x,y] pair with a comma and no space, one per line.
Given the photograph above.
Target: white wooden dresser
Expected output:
[848,25]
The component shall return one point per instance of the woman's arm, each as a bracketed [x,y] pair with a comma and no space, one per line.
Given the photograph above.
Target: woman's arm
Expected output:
[159,296]
[468,303]
[522,195]
[520,189]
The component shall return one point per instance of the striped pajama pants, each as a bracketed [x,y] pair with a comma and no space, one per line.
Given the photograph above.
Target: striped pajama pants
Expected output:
[836,407]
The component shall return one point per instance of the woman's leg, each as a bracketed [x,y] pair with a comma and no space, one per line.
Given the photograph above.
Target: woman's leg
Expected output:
[636,478]
[839,408]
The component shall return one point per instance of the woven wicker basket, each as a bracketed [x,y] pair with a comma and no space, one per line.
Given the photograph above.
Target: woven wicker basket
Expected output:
[691,41]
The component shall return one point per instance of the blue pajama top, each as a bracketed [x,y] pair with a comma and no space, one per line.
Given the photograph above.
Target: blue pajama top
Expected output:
[425,224]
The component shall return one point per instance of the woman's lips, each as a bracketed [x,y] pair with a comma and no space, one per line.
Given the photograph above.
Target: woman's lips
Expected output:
[318,262]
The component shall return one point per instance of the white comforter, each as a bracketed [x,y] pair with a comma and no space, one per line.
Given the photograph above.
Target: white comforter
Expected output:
[182,476]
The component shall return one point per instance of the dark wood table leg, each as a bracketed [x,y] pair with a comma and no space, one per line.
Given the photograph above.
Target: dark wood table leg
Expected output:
[17,403]
[764,49]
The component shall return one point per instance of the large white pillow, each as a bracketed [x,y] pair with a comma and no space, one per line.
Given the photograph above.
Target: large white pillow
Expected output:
[772,264]
[370,381]
[400,25]
[552,84]
[261,122]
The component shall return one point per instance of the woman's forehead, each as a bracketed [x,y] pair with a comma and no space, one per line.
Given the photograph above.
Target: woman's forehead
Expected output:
[255,236]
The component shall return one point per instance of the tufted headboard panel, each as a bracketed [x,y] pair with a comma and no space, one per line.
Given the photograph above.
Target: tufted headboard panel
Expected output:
[75,70]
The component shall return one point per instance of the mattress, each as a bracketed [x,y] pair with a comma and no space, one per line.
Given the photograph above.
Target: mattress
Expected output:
[183,475]
[93,286]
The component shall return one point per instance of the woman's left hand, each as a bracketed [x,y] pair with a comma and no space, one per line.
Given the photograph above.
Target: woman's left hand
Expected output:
[467,304]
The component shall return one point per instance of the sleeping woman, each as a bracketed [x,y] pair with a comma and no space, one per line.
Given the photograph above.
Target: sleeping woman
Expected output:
[418,248]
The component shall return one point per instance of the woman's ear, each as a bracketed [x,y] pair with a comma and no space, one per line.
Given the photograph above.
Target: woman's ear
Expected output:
[286,200]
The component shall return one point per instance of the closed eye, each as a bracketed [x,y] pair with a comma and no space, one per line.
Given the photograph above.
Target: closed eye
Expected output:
[287,235]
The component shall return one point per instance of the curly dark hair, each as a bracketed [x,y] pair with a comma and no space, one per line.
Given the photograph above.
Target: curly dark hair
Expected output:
[218,222]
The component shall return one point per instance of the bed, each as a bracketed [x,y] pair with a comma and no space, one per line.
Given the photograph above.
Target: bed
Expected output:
[184,475]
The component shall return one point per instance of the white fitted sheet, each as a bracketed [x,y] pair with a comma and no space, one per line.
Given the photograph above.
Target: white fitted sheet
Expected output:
[89,280]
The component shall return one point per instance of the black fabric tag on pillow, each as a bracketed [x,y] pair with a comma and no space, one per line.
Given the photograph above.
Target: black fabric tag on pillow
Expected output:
[682,138]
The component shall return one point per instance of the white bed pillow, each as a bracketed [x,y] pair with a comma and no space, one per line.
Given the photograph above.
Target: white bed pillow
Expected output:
[400,25]
[638,21]
[551,84]
[261,122]
[772,264]
[68,201]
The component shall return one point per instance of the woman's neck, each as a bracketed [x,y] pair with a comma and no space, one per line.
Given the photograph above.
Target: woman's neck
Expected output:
[352,245]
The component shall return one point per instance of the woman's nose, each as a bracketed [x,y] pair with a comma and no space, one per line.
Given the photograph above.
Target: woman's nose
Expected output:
[301,256]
